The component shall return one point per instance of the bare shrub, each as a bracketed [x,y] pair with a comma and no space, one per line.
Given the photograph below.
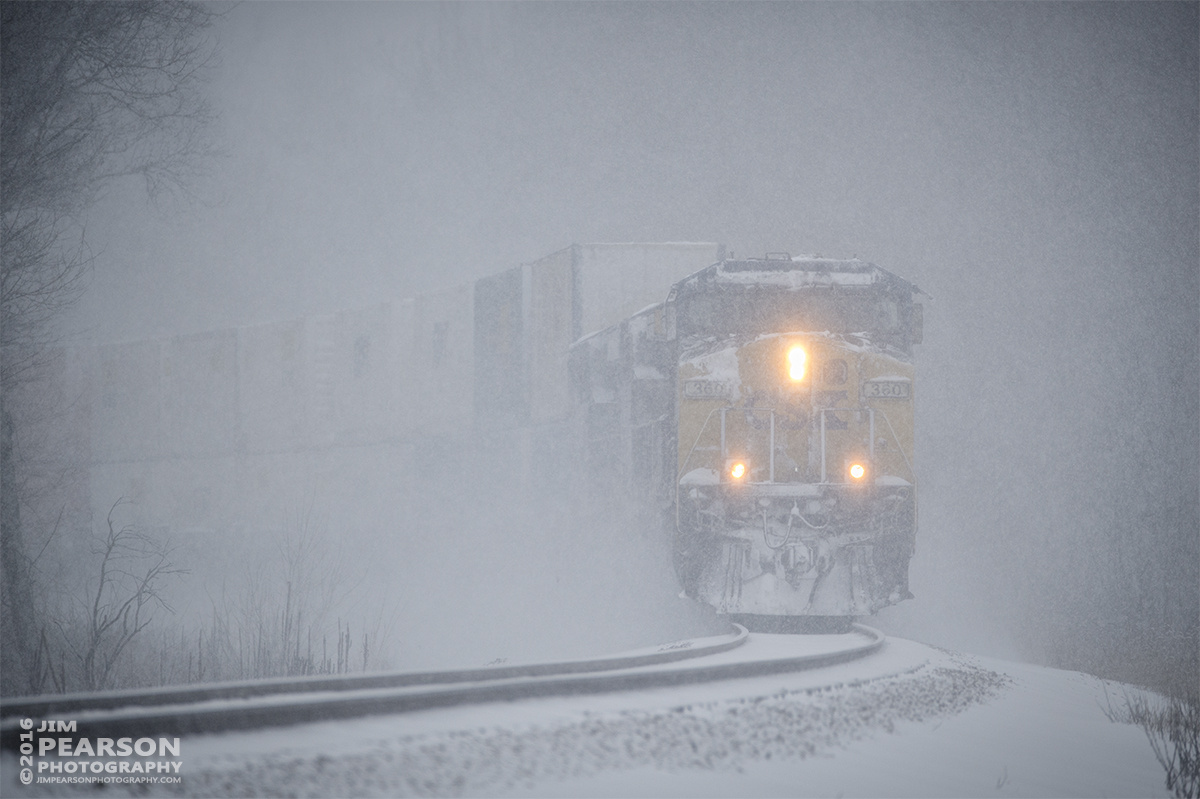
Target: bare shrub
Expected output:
[290,616]
[98,624]
[1172,724]
[298,612]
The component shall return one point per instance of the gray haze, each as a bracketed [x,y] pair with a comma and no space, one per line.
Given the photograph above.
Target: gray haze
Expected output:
[1033,167]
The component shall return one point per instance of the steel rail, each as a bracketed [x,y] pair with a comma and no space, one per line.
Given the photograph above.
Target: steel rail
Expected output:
[47,705]
[282,709]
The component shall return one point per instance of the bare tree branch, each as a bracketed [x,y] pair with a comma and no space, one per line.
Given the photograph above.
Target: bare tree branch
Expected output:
[89,92]
[132,567]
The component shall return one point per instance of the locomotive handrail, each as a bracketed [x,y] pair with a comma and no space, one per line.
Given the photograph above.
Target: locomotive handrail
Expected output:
[679,476]
[703,427]
[911,471]
[823,411]
[871,446]
[870,438]
[770,443]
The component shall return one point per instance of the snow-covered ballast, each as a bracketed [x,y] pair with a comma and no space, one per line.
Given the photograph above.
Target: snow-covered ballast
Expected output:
[794,487]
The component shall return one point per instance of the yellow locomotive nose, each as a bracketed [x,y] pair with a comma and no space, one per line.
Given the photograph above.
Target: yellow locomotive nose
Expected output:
[796,358]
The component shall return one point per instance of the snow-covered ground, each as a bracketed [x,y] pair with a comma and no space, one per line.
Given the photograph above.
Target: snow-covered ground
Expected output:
[909,720]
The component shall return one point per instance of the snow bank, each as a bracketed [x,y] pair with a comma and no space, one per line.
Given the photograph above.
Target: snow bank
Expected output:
[910,721]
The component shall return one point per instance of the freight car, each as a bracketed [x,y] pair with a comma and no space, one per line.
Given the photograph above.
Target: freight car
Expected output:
[764,414]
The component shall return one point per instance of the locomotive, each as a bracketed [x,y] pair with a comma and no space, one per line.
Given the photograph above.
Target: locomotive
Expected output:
[765,411]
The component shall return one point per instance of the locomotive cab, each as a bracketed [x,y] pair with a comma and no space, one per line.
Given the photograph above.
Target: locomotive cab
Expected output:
[795,493]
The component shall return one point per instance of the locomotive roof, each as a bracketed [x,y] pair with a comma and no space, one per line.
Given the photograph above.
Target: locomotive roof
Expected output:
[795,272]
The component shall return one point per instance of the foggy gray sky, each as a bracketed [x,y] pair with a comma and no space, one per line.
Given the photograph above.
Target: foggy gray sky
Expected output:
[1032,166]
[388,148]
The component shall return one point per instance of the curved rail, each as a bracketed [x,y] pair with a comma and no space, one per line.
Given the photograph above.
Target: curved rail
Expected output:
[45,705]
[313,700]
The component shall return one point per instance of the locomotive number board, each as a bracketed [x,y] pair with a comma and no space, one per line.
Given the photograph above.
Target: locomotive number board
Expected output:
[706,389]
[886,389]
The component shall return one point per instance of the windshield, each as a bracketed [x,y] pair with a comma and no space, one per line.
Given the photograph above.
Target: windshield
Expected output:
[723,310]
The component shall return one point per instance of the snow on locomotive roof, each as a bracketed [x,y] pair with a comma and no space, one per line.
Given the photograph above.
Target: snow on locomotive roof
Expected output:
[798,272]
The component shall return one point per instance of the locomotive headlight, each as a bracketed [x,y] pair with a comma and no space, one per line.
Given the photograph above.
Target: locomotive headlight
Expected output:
[796,358]
[738,470]
[858,471]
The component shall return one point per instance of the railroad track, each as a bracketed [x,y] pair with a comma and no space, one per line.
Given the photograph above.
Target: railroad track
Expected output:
[256,704]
